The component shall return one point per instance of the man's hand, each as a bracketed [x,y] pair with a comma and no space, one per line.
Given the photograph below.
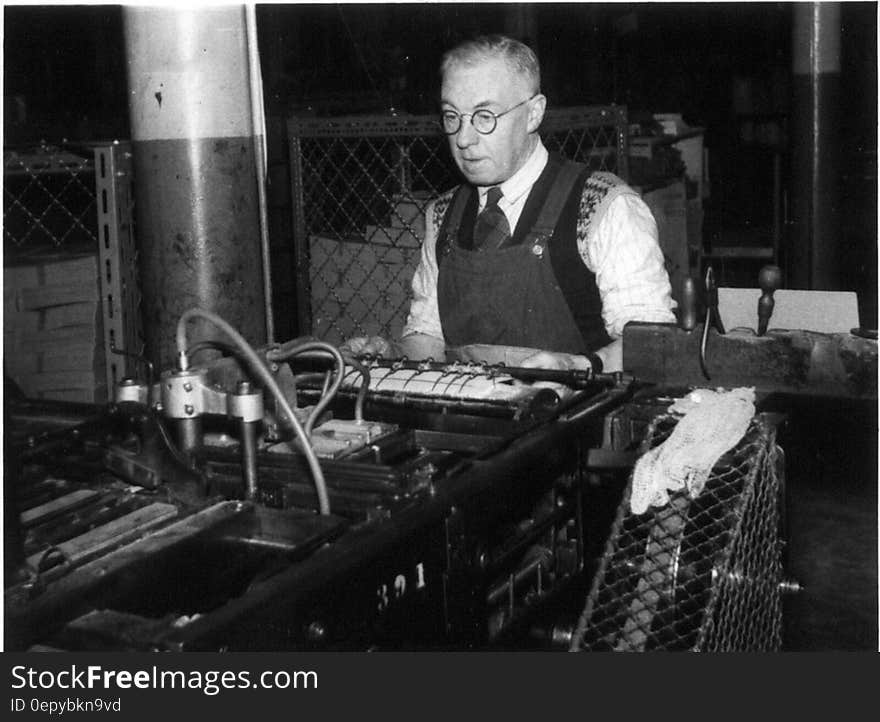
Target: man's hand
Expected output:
[556,361]
[611,357]
[415,346]
[421,346]
[368,345]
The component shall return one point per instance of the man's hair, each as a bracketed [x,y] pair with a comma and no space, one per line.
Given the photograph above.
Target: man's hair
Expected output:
[518,56]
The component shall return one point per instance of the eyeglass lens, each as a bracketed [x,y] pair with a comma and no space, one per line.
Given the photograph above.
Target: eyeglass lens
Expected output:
[483,121]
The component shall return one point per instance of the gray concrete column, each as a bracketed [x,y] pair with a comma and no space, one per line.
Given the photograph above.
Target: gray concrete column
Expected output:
[196,194]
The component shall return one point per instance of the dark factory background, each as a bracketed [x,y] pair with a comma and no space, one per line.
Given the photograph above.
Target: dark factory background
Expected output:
[724,67]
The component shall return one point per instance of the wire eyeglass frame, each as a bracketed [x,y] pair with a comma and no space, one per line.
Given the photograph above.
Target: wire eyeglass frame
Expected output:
[483,115]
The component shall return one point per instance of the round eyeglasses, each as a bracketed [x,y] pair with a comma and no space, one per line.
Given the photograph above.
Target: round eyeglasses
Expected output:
[483,120]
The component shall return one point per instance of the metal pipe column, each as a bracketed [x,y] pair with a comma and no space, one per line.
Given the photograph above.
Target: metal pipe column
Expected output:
[815,242]
[196,187]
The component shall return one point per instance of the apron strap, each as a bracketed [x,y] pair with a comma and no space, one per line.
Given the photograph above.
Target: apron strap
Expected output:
[556,199]
[543,228]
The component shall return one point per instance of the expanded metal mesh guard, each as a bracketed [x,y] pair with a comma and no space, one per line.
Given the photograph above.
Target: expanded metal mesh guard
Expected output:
[360,188]
[48,199]
[699,574]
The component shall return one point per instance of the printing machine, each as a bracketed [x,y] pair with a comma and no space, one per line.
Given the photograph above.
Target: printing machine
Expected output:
[287,498]
[185,514]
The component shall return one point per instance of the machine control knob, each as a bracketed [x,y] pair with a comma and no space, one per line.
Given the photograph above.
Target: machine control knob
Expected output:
[769,280]
[688,311]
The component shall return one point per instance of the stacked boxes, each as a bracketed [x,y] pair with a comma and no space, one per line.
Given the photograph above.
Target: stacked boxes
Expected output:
[52,328]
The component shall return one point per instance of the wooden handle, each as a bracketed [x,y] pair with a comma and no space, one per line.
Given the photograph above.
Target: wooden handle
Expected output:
[688,311]
[769,280]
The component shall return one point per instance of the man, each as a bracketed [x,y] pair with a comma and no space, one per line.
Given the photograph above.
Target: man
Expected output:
[533,261]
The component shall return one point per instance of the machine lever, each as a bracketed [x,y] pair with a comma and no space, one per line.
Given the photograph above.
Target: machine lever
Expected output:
[713,318]
[769,280]
[575,378]
[688,309]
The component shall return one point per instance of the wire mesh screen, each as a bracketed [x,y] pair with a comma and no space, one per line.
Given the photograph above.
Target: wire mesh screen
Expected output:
[360,189]
[48,199]
[699,574]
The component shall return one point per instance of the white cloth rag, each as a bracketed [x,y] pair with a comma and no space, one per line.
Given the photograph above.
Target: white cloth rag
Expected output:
[713,423]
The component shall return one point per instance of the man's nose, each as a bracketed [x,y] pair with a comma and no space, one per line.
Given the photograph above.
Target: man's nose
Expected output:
[467,135]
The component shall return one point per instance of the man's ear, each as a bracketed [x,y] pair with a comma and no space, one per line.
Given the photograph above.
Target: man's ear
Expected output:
[537,106]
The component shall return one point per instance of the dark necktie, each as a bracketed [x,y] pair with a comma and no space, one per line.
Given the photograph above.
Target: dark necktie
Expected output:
[491,229]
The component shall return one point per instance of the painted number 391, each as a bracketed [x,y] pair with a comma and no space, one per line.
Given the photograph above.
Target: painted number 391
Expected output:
[386,595]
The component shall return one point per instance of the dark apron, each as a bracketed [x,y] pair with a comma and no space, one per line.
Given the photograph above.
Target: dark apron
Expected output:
[509,296]
[506,296]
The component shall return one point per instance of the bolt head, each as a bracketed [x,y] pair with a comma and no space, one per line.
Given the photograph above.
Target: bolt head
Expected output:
[315,632]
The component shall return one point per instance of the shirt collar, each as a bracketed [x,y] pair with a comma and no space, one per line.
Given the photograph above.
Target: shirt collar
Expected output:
[521,182]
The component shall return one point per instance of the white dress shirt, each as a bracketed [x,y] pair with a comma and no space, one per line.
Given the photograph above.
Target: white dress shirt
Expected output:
[621,249]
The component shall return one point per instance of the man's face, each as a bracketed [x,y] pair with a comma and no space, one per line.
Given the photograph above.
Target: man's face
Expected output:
[491,159]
